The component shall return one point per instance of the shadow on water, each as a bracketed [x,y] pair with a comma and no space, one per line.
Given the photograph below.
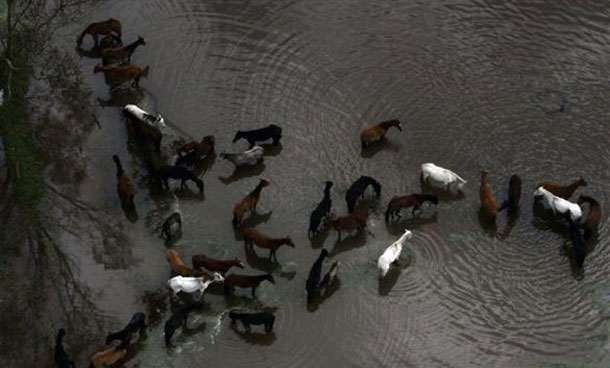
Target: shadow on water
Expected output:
[317,241]
[383,145]
[265,265]
[511,222]
[254,220]
[254,338]
[243,172]
[324,294]
[353,241]
[386,284]
[398,227]
[270,150]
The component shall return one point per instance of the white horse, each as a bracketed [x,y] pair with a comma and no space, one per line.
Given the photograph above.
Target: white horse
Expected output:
[192,284]
[249,157]
[392,253]
[138,113]
[441,178]
[559,204]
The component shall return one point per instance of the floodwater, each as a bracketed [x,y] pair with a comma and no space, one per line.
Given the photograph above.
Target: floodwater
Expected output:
[476,84]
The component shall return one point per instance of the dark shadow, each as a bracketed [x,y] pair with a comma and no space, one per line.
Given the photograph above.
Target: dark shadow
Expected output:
[254,338]
[270,150]
[487,224]
[511,222]
[356,240]
[93,53]
[323,295]
[386,284]
[377,147]
[187,193]
[260,263]
[317,241]
[253,220]
[204,165]
[398,227]
[242,172]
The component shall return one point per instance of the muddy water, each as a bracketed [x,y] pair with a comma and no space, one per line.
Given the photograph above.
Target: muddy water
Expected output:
[476,85]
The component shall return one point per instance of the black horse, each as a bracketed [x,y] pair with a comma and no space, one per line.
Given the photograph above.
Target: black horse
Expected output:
[137,324]
[61,357]
[178,319]
[322,210]
[357,191]
[313,280]
[272,131]
[178,173]
[258,318]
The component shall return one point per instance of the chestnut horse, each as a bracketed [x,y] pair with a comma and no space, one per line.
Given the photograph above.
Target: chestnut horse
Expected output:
[178,267]
[248,203]
[243,281]
[117,75]
[375,132]
[413,200]
[215,265]
[348,222]
[121,53]
[489,204]
[124,185]
[253,236]
[106,27]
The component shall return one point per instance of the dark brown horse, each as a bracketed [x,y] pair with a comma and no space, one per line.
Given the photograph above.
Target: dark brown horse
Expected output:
[593,218]
[117,75]
[253,236]
[215,265]
[348,222]
[375,132]
[242,281]
[413,200]
[124,185]
[563,191]
[100,28]
[121,53]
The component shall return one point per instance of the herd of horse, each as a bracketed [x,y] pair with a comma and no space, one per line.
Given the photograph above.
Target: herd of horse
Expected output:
[205,270]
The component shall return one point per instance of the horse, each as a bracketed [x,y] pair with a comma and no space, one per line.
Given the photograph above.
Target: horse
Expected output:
[322,210]
[595,213]
[563,191]
[357,189]
[192,284]
[179,173]
[577,240]
[242,281]
[110,356]
[313,280]
[348,222]
[559,204]
[174,220]
[272,131]
[215,265]
[247,158]
[146,125]
[117,75]
[137,113]
[391,254]
[413,200]
[489,203]
[124,186]
[514,194]
[121,53]
[178,267]
[248,203]
[441,178]
[136,324]
[194,151]
[247,318]
[62,360]
[253,236]
[106,27]
[376,132]
[177,319]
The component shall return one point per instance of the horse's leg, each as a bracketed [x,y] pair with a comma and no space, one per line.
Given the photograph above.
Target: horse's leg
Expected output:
[247,326]
[254,291]
[182,183]
[95,39]
[270,254]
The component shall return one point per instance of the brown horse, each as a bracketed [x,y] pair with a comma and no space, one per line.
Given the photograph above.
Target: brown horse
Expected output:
[121,53]
[178,267]
[117,75]
[203,148]
[253,236]
[110,356]
[243,281]
[375,132]
[100,28]
[248,203]
[413,200]
[124,185]
[594,216]
[215,265]
[489,204]
[563,191]
[348,222]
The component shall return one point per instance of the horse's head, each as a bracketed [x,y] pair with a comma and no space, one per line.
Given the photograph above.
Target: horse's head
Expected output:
[289,242]
[582,182]
[264,183]
[238,136]
[218,277]
[270,278]
[238,263]
[396,123]
[328,184]
[141,40]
